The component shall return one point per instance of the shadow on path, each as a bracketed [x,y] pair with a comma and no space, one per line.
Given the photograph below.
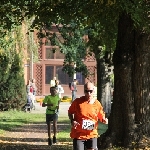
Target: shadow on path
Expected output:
[33,137]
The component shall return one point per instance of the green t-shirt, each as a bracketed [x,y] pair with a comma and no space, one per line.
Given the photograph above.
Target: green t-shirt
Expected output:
[51,100]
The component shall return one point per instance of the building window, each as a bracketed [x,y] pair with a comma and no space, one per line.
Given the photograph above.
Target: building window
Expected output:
[51,55]
[59,55]
[64,78]
[80,78]
[49,74]
[48,43]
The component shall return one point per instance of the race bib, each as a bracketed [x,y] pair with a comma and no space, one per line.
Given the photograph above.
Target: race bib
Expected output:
[88,125]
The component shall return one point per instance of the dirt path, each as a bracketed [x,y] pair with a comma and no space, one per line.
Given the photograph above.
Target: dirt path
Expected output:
[32,137]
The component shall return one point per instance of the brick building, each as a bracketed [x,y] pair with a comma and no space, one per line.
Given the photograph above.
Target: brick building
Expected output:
[50,65]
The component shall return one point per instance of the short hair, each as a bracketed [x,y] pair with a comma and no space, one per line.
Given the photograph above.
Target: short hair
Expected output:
[52,87]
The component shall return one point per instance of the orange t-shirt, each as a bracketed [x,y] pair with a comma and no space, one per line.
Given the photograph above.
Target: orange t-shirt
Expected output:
[87,116]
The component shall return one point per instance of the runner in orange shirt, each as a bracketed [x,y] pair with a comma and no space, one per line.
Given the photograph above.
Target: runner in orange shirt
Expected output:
[84,113]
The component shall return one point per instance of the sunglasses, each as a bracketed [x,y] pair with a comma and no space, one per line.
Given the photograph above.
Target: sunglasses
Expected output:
[87,91]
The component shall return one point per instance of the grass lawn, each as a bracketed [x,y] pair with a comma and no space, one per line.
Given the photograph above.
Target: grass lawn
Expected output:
[12,119]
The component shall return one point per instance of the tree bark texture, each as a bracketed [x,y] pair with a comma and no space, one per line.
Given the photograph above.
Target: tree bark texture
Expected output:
[129,119]
[100,79]
[104,89]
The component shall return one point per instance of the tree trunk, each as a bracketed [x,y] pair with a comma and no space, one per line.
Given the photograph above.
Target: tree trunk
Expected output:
[100,79]
[104,89]
[128,121]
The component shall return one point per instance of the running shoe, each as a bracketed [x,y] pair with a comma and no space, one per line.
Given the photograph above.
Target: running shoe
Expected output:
[49,141]
[54,140]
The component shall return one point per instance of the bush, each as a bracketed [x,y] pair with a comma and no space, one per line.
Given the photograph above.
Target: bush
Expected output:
[65,97]
[13,91]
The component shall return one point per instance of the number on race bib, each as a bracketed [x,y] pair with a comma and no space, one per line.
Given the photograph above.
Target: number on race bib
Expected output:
[88,125]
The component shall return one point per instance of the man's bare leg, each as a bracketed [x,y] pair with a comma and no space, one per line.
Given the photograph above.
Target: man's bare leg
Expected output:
[49,133]
[55,131]
[49,129]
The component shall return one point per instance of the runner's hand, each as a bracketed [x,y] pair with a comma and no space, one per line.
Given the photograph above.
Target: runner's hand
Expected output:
[74,124]
[105,120]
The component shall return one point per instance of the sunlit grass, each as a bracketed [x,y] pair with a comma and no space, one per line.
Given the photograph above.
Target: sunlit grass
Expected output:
[21,116]
[12,119]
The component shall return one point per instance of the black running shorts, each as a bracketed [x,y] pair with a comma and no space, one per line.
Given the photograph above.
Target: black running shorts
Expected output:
[51,117]
[79,144]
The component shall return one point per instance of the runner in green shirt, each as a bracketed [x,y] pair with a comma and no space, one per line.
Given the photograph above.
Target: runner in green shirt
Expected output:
[52,102]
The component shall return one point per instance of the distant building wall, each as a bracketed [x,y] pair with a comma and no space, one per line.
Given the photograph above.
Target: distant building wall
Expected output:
[50,65]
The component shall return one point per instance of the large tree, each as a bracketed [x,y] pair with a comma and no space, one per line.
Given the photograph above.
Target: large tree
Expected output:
[129,120]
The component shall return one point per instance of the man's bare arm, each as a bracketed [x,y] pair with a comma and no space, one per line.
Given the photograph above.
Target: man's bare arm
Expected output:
[45,104]
[70,117]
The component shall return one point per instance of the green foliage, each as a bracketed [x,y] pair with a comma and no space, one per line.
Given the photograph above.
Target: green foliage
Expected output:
[74,48]
[99,16]
[12,40]
[12,91]
[11,14]
[105,13]
[70,40]
[6,54]
[4,68]
[12,88]
[93,19]
[138,10]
